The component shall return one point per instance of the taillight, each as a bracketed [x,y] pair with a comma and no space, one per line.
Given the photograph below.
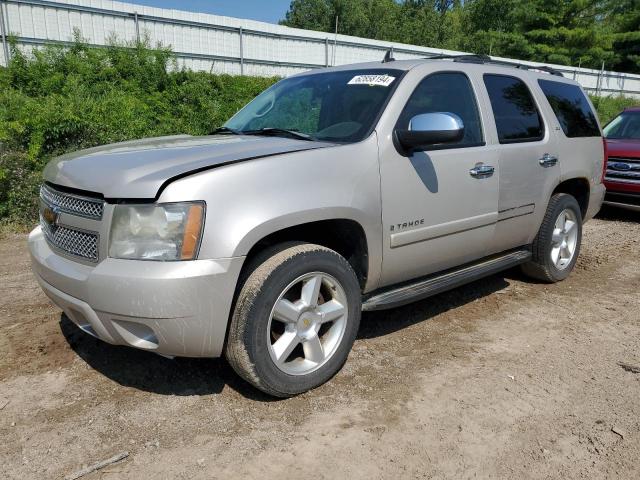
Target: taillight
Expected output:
[605,159]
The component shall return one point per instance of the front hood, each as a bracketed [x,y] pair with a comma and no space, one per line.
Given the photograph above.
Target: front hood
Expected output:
[140,168]
[623,147]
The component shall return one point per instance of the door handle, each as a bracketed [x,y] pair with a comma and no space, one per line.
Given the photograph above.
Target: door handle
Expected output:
[548,160]
[482,171]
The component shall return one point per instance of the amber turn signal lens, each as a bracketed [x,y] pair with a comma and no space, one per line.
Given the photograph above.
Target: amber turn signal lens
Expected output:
[192,232]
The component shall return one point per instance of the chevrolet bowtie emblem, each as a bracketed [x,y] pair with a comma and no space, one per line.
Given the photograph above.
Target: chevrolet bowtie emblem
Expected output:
[50,215]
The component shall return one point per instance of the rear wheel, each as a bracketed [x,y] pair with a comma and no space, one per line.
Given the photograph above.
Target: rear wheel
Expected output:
[557,245]
[295,320]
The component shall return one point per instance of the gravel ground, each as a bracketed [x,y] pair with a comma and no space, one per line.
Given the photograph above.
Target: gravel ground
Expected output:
[503,378]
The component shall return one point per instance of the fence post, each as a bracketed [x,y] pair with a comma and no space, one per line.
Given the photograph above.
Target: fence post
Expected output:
[600,80]
[3,31]
[135,19]
[326,51]
[241,53]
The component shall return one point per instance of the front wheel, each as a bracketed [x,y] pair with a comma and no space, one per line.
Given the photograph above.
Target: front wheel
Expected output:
[557,245]
[295,321]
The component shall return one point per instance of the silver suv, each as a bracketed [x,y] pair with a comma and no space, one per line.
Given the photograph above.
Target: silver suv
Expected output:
[353,188]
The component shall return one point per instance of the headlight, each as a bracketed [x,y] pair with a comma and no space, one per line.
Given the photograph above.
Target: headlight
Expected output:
[169,231]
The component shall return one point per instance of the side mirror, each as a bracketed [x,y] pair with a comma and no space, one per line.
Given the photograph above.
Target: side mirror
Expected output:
[429,129]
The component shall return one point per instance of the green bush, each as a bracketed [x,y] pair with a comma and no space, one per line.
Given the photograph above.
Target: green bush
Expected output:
[58,100]
[609,107]
[19,187]
[63,99]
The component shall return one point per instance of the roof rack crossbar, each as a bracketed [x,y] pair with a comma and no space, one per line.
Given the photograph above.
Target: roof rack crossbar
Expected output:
[486,59]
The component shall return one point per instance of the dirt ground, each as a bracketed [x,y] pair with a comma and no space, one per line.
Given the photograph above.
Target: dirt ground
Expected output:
[503,378]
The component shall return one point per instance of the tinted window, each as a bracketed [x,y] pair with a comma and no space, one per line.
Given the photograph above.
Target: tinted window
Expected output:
[446,92]
[571,108]
[625,125]
[517,118]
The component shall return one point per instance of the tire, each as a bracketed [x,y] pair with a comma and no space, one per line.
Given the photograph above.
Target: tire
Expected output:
[278,288]
[549,239]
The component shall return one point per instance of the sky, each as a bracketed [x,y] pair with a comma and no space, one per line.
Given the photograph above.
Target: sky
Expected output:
[264,10]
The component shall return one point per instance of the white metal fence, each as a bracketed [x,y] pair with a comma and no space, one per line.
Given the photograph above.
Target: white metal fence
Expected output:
[227,45]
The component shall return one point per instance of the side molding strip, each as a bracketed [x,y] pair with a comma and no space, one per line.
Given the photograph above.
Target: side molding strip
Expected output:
[434,284]
[516,212]
[434,231]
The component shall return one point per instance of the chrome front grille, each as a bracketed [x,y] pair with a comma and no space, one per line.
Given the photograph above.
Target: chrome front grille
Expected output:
[626,170]
[63,233]
[71,241]
[73,204]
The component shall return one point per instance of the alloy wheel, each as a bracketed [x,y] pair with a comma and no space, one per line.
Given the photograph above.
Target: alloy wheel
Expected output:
[564,239]
[307,323]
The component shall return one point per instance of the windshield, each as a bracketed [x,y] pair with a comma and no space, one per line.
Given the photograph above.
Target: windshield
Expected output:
[334,106]
[624,126]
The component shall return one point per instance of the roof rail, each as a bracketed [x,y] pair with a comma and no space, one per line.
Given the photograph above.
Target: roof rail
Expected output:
[388,57]
[486,59]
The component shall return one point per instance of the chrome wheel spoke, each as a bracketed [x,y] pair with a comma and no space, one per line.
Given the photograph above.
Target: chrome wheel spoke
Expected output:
[331,311]
[568,227]
[285,311]
[313,350]
[563,219]
[311,291]
[555,255]
[283,347]
[557,236]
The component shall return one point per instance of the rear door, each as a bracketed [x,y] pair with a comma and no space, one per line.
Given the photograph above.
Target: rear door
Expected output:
[580,143]
[528,159]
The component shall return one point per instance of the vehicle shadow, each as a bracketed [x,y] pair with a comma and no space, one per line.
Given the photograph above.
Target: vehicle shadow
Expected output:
[149,372]
[383,322]
[618,214]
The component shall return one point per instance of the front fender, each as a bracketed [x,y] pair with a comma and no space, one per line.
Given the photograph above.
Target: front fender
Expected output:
[251,200]
[294,219]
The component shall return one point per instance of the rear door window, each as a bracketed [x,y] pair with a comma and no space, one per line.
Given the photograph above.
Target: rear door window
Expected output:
[517,117]
[571,108]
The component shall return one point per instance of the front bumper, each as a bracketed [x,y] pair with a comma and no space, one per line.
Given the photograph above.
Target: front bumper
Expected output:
[171,308]
[623,195]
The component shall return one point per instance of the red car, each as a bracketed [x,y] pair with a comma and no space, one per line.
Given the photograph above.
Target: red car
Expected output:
[622,176]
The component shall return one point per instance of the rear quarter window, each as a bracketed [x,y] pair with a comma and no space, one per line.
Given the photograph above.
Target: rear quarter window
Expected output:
[571,108]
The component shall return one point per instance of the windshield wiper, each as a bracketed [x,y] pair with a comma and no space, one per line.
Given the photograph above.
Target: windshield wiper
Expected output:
[280,132]
[232,131]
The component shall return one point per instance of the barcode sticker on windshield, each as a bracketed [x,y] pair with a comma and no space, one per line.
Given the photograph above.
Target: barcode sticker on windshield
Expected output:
[380,80]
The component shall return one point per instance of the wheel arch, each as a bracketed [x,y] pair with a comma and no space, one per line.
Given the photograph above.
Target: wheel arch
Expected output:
[579,188]
[340,233]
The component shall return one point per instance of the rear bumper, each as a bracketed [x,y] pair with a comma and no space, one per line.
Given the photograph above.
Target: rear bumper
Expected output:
[171,308]
[595,201]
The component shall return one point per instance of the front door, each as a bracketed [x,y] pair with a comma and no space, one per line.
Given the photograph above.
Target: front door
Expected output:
[439,207]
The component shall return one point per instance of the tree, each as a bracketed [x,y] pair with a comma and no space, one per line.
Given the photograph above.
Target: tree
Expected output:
[310,14]
[624,21]
[569,32]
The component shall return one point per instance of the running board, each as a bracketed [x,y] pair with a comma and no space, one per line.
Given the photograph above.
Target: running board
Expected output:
[432,285]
